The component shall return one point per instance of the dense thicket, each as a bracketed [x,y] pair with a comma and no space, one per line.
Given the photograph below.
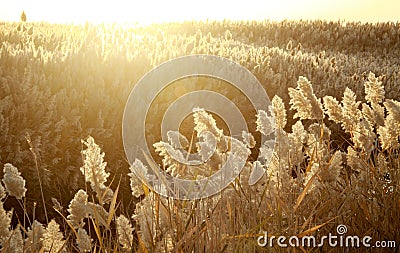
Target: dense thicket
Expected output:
[61,83]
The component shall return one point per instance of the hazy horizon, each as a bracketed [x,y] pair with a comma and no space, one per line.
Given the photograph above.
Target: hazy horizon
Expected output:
[160,11]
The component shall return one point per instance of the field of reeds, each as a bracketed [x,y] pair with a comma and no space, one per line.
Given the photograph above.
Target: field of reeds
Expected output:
[66,185]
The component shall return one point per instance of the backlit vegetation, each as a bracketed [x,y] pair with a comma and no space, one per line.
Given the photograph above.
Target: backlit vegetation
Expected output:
[66,185]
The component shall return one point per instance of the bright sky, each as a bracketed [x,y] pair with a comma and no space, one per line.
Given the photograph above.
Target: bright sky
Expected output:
[77,11]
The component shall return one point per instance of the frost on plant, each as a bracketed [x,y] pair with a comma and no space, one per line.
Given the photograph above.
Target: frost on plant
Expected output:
[364,136]
[331,172]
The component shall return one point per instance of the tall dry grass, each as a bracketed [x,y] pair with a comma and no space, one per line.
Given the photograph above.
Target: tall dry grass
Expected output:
[309,187]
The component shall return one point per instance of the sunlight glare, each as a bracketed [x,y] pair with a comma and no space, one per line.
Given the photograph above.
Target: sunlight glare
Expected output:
[157,11]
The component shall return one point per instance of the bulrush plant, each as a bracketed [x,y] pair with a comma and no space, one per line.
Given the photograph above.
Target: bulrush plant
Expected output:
[309,188]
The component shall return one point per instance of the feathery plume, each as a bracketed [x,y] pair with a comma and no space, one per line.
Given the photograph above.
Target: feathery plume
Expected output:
[374,90]
[136,184]
[34,242]
[84,241]
[304,102]
[13,181]
[53,239]
[289,45]
[331,173]
[353,159]
[279,111]
[350,110]
[5,221]
[393,109]
[23,16]
[177,140]
[170,156]
[16,242]
[125,232]
[94,167]
[206,146]
[248,139]
[98,212]
[205,122]
[2,192]
[56,205]
[333,109]
[78,209]
[318,142]
[279,166]
[347,114]
[313,170]
[364,136]
[267,150]
[375,115]
[150,224]
[297,139]
[389,133]
[265,124]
